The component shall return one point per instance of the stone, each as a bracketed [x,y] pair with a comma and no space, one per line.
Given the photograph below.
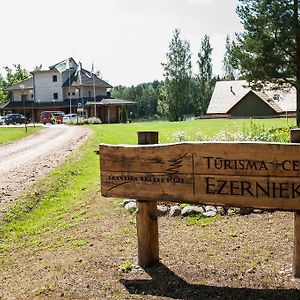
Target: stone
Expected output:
[210,208]
[131,206]
[245,211]
[191,210]
[175,211]
[232,211]
[162,210]
[221,210]
[209,213]
[126,201]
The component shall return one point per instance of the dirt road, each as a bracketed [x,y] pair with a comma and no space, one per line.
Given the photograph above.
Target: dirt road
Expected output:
[25,161]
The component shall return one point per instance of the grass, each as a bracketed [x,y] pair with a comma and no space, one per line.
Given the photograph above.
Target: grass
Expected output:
[198,219]
[127,134]
[10,134]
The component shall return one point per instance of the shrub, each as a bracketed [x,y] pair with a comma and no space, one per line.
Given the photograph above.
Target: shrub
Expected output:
[92,120]
[252,133]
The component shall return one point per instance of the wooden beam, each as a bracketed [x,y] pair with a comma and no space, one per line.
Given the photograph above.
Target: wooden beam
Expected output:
[146,218]
[295,138]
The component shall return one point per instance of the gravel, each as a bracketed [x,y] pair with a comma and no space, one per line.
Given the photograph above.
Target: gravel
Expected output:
[25,161]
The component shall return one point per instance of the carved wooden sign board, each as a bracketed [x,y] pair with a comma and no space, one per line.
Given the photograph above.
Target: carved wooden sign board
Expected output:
[257,175]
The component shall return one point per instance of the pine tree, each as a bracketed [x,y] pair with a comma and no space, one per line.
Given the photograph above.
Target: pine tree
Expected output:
[230,72]
[269,49]
[204,77]
[175,93]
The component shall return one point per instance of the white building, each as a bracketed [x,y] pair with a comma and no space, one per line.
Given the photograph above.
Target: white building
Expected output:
[66,87]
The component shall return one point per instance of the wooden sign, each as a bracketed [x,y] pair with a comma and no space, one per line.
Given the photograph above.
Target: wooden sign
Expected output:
[257,175]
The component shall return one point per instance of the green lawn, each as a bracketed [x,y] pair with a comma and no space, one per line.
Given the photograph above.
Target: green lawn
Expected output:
[9,134]
[127,134]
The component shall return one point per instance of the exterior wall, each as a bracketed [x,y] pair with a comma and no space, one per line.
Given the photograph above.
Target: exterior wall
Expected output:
[74,92]
[77,92]
[45,87]
[98,91]
[17,94]
[251,105]
[113,114]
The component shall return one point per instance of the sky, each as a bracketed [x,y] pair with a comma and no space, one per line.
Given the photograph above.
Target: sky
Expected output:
[126,40]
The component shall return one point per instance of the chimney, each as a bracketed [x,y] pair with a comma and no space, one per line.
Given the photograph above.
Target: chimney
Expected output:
[231,90]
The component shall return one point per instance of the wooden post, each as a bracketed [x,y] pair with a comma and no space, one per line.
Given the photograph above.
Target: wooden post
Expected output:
[146,218]
[295,138]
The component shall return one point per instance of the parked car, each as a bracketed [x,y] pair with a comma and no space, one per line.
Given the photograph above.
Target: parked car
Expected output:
[2,120]
[72,119]
[53,117]
[14,119]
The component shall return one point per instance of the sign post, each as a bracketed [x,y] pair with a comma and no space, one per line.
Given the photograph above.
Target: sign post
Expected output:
[146,218]
[235,174]
[295,138]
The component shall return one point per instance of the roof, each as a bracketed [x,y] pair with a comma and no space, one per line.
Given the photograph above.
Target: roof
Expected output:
[77,78]
[28,84]
[228,93]
[287,98]
[71,59]
[112,101]
[86,80]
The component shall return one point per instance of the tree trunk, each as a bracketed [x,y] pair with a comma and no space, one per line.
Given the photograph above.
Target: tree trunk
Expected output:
[297,58]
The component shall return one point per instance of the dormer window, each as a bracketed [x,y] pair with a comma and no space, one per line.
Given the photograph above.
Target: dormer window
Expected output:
[276,97]
[54,78]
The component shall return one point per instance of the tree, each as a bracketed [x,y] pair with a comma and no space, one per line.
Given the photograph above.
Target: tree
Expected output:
[38,68]
[268,51]
[12,77]
[145,94]
[230,72]
[204,77]
[15,76]
[175,93]
[3,94]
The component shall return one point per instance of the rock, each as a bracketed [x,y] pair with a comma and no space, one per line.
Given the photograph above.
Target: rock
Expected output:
[131,206]
[209,213]
[245,211]
[221,210]
[126,201]
[232,211]
[162,210]
[210,208]
[191,210]
[175,211]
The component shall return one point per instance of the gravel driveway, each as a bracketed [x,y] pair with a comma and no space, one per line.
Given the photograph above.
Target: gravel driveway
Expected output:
[25,161]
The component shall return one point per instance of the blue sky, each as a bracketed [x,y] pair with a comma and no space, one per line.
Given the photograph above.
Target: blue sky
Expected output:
[125,39]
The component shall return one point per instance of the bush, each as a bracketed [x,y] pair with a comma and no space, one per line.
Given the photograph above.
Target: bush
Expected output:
[252,133]
[92,120]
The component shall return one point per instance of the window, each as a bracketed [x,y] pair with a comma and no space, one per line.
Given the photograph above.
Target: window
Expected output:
[24,97]
[54,78]
[69,94]
[89,94]
[55,96]
[276,97]
[73,93]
